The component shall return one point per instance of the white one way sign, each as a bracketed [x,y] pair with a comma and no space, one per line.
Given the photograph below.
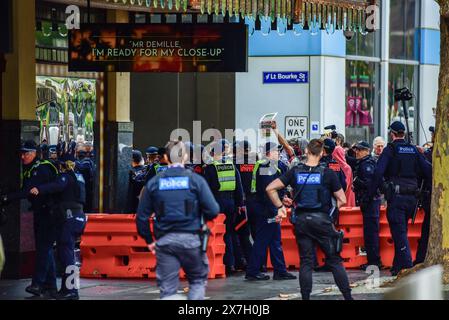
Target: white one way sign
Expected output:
[296,127]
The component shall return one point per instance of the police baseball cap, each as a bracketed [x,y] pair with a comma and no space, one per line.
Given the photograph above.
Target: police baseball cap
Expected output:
[137,156]
[52,148]
[332,127]
[329,145]
[397,127]
[152,150]
[28,146]
[361,145]
[432,129]
[271,146]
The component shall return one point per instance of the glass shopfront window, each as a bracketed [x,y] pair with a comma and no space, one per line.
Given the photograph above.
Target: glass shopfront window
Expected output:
[362,100]
[404,20]
[404,76]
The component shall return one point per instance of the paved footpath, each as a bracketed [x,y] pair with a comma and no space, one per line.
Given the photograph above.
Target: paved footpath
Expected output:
[233,288]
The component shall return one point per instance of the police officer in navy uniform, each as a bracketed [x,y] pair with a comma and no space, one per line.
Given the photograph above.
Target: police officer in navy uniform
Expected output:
[268,230]
[370,207]
[426,206]
[34,174]
[225,182]
[70,195]
[136,180]
[152,154]
[245,162]
[86,166]
[158,166]
[402,165]
[180,200]
[314,186]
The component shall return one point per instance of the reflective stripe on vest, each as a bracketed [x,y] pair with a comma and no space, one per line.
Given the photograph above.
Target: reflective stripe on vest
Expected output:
[254,179]
[27,173]
[226,175]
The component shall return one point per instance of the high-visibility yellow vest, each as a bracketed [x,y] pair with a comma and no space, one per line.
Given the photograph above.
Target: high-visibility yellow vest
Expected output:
[226,175]
[27,173]
[254,179]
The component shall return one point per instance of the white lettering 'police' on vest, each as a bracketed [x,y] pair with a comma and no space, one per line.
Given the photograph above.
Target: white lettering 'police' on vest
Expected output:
[174,183]
[313,179]
[407,150]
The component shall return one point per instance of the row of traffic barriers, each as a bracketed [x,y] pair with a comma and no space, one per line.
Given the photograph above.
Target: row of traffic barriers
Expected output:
[353,255]
[111,248]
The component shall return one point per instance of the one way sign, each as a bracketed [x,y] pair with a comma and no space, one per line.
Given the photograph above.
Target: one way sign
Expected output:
[296,127]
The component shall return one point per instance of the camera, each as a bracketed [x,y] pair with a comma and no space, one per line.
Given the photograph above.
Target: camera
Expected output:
[403,94]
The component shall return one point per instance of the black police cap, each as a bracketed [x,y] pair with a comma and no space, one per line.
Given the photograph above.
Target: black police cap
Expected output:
[331,127]
[28,146]
[397,127]
[432,129]
[362,145]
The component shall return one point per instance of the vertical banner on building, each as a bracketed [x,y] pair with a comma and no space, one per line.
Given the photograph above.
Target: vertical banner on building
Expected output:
[159,48]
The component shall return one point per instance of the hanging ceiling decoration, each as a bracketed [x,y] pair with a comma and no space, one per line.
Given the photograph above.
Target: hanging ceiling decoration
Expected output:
[296,15]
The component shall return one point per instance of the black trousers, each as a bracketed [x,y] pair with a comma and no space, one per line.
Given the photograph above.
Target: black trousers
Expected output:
[311,228]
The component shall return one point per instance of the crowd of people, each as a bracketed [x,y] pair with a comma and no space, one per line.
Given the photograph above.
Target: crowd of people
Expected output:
[58,181]
[239,177]
[182,185]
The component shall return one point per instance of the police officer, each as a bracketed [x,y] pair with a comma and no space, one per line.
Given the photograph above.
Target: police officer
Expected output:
[136,180]
[370,207]
[225,182]
[86,167]
[314,186]
[34,174]
[268,230]
[243,232]
[179,198]
[152,155]
[158,166]
[426,205]
[70,195]
[245,163]
[401,165]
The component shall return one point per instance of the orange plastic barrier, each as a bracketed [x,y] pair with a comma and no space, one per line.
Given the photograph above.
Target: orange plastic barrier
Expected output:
[351,222]
[111,248]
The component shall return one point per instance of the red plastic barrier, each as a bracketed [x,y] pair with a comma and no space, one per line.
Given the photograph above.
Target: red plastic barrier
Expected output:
[111,248]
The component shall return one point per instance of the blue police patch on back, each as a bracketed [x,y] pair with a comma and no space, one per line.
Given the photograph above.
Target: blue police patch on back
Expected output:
[406,150]
[174,183]
[305,178]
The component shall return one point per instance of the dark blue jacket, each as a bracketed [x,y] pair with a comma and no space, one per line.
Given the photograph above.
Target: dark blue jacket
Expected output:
[262,182]
[36,174]
[387,159]
[363,177]
[179,198]
[64,188]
